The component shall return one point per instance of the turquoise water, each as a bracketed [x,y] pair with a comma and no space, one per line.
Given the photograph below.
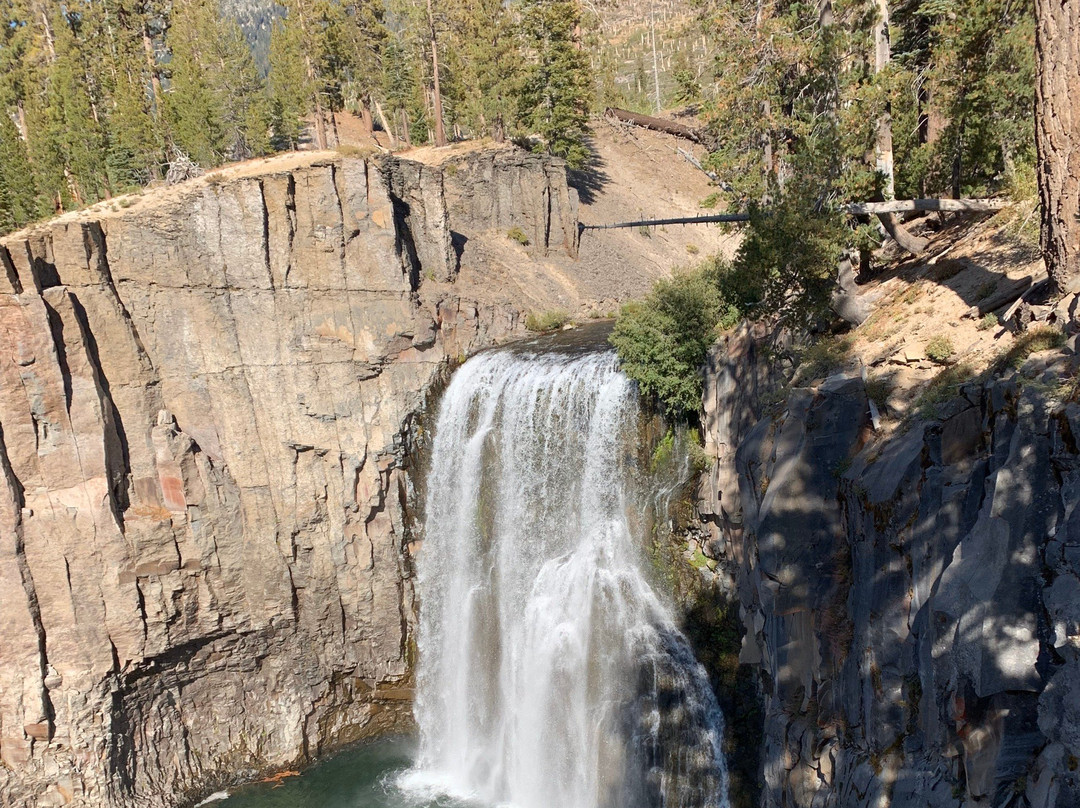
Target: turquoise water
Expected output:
[365,776]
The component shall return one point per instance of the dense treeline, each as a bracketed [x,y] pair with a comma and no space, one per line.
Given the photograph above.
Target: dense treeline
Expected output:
[101,96]
[942,89]
[814,105]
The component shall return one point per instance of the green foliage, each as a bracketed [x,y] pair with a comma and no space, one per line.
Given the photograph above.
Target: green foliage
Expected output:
[689,88]
[821,357]
[939,349]
[216,107]
[987,322]
[878,390]
[791,251]
[556,85]
[971,65]
[943,387]
[484,59]
[662,341]
[18,194]
[291,90]
[518,235]
[801,100]
[546,320]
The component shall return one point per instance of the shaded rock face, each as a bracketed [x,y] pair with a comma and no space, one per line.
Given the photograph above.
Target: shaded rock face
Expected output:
[910,604]
[204,488]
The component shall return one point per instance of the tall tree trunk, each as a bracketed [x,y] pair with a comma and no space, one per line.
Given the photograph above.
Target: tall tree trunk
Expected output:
[50,45]
[440,133]
[883,141]
[366,119]
[20,121]
[320,118]
[1057,137]
[155,80]
[883,145]
[655,69]
[385,123]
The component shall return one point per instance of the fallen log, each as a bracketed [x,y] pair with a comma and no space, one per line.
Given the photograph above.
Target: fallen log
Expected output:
[1041,282]
[911,205]
[1014,291]
[656,124]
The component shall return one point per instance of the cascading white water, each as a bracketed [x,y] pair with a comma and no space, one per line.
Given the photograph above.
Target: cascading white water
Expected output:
[550,674]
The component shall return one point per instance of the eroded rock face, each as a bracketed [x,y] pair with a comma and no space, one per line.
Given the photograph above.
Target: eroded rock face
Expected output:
[203,484]
[911,603]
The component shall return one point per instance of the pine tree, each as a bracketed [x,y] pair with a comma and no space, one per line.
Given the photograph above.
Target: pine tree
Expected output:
[556,86]
[290,90]
[215,104]
[18,193]
[367,37]
[403,85]
[310,62]
[1059,138]
[115,31]
[484,64]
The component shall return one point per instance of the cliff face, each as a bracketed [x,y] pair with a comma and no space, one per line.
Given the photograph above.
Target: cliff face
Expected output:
[204,404]
[911,603]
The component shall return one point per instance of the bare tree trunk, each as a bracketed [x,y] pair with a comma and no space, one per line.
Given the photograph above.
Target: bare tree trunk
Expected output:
[405,128]
[320,118]
[20,120]
[155,80]
[440,133]
[883,141]
[385,123]
[49,41]
[655,70]
[333,141]
[883,145]
[1057,137]
[366,121]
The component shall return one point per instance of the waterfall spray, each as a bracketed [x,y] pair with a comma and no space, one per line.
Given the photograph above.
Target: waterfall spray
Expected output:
[550,674]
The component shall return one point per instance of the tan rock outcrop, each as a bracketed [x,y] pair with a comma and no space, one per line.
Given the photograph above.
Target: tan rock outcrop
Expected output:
[204,407]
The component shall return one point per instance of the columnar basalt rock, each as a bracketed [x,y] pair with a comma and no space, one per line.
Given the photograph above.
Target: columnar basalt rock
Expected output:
[910,602]
[203,486]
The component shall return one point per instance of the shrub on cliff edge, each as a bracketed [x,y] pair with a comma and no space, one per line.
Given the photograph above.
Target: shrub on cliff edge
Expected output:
[662,340]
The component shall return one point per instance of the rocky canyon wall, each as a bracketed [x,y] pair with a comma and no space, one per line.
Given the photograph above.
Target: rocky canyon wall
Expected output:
[911,603]
[204,405]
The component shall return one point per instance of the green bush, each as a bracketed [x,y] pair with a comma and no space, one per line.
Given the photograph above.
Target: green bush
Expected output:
[939,349]
[662,340]
[791,251]
[518,235]
[546,320]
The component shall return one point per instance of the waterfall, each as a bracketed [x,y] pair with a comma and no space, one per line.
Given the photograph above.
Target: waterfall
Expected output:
[550,674]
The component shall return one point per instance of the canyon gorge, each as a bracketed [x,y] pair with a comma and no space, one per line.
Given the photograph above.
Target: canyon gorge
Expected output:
[211,404]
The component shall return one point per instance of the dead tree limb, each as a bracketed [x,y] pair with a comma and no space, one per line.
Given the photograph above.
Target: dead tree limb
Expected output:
[909,242]
[858,209]
[1041,281]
